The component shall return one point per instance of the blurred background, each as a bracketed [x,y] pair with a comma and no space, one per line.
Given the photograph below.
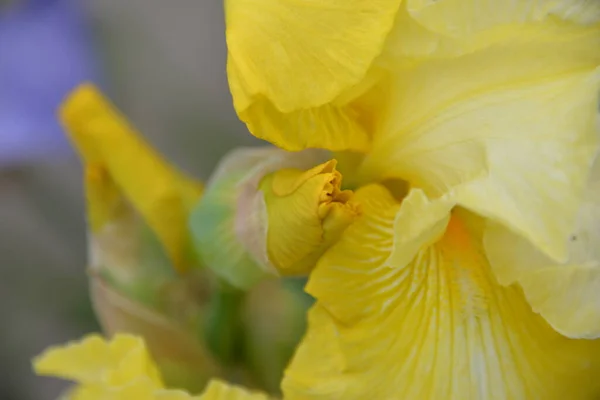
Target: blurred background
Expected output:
[163,64]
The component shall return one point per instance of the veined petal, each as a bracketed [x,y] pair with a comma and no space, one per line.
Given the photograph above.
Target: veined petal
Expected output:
[463,18]
[441,327]
[565,294]
[119,161]
[302,54]
[567,297]
[580,11]
[94,360]
[410,38]
[288,61]
[528,170]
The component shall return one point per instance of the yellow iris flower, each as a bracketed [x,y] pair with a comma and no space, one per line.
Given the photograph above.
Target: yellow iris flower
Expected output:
[463,265]
[121,369]
[472,269]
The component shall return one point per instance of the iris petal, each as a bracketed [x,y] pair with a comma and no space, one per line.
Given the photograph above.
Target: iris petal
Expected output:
[565,294]
[463,18]
[521,129]
[441,327]
[288,59]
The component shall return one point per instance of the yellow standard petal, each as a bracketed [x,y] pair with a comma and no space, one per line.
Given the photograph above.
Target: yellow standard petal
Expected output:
[117,160]
[215,390]
[288,61]
[521,128]
[565,294]
[307,212]
[439,327]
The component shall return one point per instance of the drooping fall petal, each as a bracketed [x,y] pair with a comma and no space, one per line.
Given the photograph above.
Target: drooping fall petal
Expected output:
[565,294]
[440,327]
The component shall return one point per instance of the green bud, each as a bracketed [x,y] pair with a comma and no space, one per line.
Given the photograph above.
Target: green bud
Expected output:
[229,225]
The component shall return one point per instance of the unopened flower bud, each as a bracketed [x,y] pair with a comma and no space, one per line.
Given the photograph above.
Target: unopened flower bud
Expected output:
[270,212]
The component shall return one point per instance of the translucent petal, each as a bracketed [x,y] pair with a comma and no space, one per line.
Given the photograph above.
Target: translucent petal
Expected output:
[441,327]
[460,17]
[565,294]
[567,297]
[520,128]
[94,360]
[410,36]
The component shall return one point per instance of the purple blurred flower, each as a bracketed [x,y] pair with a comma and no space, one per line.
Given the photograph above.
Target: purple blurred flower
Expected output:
[45,51]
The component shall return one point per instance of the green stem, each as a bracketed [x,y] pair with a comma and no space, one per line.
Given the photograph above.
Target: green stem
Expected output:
[223,329]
